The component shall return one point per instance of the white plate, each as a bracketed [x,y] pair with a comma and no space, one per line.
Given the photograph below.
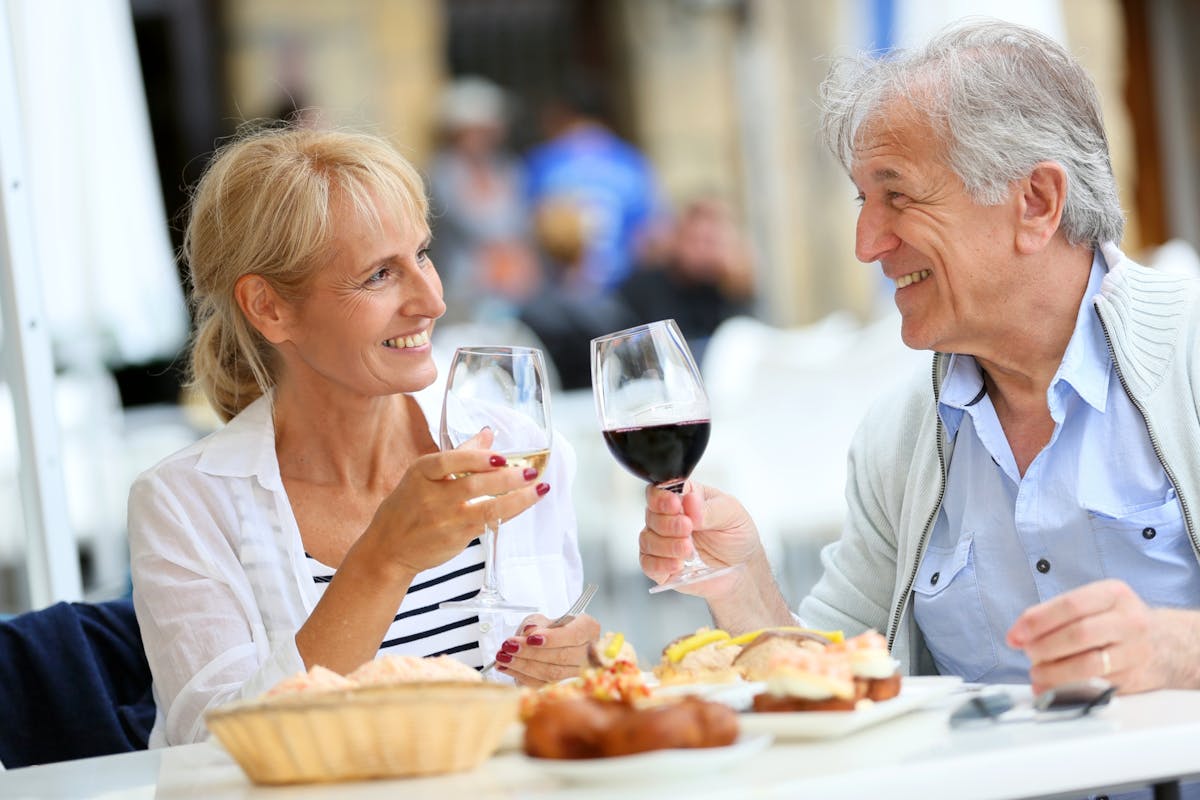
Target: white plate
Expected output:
[915,692]
[738,695]
[652,766]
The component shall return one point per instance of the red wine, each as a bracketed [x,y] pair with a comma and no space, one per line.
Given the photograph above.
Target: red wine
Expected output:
[660,453]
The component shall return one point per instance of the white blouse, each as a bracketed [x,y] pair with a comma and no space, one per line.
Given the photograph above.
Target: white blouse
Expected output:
[221,583]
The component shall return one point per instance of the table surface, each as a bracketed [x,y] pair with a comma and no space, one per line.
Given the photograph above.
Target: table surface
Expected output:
[1138,740]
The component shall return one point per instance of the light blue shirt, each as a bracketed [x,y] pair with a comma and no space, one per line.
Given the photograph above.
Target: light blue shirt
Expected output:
[1095,503]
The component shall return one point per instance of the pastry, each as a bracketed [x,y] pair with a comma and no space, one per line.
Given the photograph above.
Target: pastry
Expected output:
[413,669]
[688,723]
[571,727]
[587,728]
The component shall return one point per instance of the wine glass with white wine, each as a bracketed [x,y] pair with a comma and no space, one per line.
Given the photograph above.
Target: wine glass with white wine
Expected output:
[503,388]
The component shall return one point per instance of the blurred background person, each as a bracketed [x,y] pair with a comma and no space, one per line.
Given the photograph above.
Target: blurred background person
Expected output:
[700,275]
[607,178]
[566,314]
[479,217]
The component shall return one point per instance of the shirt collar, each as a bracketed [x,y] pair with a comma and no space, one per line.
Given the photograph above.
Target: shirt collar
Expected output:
[1085,366]
[961,389]
[245,447]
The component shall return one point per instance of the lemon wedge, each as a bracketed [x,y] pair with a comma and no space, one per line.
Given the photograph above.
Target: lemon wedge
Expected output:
[746,638]
[614,645]
[677,651]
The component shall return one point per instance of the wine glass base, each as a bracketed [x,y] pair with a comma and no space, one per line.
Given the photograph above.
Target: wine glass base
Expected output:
[492,603]
[693,576]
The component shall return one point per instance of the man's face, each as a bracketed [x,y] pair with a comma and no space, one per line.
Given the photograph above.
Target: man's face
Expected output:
[945,254]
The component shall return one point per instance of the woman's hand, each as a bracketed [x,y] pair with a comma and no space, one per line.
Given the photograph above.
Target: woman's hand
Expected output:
[439,507]
[537,655]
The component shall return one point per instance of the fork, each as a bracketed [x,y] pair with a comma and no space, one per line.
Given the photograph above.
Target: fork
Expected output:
[581,602]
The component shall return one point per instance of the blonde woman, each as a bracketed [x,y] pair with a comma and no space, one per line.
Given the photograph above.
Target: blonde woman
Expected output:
[318,526]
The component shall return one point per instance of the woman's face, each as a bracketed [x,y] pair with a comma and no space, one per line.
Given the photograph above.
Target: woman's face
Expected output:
[364,325]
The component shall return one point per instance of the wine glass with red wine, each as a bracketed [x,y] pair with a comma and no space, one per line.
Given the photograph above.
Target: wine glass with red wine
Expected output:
[654,414]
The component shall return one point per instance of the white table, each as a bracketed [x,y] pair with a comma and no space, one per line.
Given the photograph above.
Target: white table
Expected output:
[1140,740]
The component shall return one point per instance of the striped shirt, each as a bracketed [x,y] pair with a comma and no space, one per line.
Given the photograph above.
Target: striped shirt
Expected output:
[420,628]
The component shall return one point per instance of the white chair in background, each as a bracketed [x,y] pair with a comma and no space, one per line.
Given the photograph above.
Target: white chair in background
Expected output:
[1177,257]
[786,404]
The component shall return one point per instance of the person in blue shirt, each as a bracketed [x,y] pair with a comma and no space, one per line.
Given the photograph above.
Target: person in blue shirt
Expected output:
[1028,508]
[610,182]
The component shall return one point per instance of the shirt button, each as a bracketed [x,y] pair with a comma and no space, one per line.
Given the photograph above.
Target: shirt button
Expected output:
[1043,566]
[484,627]
[933,579]
[1149,533]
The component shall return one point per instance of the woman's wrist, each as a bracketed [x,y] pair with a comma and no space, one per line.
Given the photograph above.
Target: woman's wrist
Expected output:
[373,560]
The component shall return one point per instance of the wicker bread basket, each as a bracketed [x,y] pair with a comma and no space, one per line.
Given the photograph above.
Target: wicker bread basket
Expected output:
[375,732]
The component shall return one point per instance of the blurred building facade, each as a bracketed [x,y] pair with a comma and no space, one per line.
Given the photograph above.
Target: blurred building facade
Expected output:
[720,94]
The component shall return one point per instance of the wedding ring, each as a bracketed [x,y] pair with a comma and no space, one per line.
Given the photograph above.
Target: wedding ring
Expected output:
[1105,662]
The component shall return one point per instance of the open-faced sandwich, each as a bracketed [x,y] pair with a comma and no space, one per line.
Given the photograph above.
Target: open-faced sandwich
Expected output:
[839,676]
[609,649]
[705,656]
[876,673]
[760,647]
[807,680]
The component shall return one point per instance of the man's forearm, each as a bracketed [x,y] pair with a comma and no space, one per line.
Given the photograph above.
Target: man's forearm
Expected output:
[754,601]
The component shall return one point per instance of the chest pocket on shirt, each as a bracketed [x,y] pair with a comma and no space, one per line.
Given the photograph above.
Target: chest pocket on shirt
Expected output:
[1150,550]
[949,610]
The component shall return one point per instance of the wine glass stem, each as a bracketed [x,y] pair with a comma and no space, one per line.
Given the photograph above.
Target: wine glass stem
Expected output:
[491,583]
[694,561]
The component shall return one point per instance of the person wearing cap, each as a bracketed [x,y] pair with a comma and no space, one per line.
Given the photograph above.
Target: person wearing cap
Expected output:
[477,196]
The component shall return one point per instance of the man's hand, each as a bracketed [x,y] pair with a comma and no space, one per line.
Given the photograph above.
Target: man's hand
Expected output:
[712,522]
[1104,630]
[721,531]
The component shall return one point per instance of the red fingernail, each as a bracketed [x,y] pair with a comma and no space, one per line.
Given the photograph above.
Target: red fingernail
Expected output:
[502,668]
[531,626]
[510,646]
[530,473]
[503,657]
[535,640]
[497,461]
[542,488]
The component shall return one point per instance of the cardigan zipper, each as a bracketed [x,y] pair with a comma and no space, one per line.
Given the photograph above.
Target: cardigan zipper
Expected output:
[1187,514]
[912,576]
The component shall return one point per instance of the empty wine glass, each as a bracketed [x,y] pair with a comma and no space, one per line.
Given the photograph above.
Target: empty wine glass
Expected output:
[654,415]
[503,388]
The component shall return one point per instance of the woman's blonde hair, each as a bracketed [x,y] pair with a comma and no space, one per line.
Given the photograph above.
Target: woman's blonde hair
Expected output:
[265,207]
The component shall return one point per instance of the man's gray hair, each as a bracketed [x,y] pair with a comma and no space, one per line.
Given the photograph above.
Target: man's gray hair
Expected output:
[1002,98]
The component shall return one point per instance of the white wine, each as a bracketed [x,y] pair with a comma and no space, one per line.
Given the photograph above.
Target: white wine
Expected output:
[534,458]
